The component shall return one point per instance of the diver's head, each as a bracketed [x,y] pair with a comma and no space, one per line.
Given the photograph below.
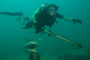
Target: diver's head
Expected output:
[52,8]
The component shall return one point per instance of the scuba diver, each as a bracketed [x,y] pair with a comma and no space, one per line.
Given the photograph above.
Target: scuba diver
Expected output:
[34,55]
[45,16]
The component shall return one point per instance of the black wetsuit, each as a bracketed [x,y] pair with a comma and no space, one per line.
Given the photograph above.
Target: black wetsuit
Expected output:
[43,18]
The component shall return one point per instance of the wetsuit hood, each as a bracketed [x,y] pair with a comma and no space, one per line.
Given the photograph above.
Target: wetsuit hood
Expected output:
[53,5]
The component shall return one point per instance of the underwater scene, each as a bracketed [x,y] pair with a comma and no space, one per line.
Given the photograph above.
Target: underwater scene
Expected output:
[44,29]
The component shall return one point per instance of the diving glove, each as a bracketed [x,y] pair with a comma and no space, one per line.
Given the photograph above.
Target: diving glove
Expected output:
[77,21]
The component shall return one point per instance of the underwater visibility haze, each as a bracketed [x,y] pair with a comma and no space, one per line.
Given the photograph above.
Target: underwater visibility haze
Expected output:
[12,36]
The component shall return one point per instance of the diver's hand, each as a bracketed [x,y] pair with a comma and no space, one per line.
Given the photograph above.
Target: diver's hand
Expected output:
[49,31]
[77,21]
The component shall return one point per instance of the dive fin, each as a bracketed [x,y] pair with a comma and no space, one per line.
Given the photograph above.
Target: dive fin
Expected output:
[12,14]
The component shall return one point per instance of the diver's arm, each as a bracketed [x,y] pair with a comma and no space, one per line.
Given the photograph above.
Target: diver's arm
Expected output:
[63,17]
[68,18]
[73,20]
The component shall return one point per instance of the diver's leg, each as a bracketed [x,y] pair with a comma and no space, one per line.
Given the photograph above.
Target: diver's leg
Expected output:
[26,25]
[22,22]
[29,25]
[26,18]
[12,14]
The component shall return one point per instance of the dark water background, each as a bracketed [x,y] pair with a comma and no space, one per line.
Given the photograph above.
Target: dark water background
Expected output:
[50,48]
